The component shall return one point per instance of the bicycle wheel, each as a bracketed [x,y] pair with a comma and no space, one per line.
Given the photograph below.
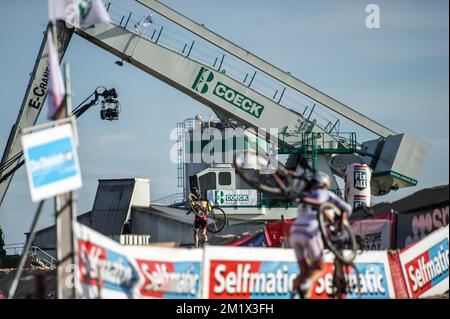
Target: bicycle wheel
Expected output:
[346,280]
[192,200]
[339,280]
[354,280]
[217,220]
[338,237]
[262,172]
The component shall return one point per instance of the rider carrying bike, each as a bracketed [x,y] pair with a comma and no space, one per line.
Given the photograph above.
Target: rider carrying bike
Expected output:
[201,218]
[305,235]
[200,223]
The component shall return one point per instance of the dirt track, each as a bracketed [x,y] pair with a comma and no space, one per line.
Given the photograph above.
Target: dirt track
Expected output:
[35,283]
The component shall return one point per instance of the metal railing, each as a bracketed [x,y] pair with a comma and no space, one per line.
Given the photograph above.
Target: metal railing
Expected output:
[318,143]
[37,255]
[14,249]
[43,258]
[170,200]
[134,240]
[197,49]
[278,201]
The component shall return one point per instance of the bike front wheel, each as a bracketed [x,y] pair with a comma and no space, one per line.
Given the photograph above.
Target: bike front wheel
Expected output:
[217,220]
[338,237]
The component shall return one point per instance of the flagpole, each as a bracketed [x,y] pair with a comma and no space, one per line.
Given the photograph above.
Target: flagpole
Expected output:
[65,205]
[26,250]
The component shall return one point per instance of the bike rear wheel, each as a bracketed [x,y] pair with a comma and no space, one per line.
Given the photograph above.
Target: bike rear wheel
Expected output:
[262,172]
[217,220]
[341,241]
[250,166]
[346,280]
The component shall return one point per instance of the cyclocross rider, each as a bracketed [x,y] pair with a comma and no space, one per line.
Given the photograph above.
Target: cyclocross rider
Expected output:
[305,235]
[200,223]
[201,218]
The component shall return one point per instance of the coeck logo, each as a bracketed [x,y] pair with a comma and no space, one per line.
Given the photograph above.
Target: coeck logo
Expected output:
[219,198]
[204,76]
[226,93]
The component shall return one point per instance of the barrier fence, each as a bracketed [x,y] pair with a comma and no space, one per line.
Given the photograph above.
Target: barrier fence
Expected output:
[110,270]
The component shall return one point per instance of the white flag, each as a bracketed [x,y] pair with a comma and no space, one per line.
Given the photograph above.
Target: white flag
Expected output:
[78,12]
[61,9]
[92,12]
[56,90]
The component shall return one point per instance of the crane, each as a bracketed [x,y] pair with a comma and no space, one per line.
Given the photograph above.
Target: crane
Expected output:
[396,159]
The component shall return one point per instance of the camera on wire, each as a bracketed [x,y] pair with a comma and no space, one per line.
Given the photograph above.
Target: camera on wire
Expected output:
[110,108]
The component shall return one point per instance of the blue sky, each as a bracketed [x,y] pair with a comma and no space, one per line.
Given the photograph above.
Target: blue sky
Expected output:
[398,75]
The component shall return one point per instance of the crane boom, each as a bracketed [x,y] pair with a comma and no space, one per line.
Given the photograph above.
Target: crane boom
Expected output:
[32,103]
[268,68]
[215,89]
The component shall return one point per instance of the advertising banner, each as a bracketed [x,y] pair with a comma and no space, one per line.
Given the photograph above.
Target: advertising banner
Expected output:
[51,160]
[110,270]
[234,197]
[279,233]
[372,234]
[413,226]
[357,184]
[373,272]
[261,239]
[248,273]
[425,265]
[254,273]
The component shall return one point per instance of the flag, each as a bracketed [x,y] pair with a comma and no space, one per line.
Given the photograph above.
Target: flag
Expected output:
[92,12]
[56,90]
[57,9]
[80,13]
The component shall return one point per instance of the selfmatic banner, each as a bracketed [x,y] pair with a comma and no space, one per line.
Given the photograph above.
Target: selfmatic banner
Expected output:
[375,281]
[253,273]
[52,162]
[235,197]
[425,265]
[248,273]
[110,270]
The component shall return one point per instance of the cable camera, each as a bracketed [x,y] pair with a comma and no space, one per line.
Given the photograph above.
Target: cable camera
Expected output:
[110,107]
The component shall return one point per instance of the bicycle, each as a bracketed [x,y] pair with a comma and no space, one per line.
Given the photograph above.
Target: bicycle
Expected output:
[342,279]
[216,217]
[273,178]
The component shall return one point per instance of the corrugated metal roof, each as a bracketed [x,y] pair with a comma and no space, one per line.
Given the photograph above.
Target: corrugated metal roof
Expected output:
[112,204]
[82,218]
[168,212]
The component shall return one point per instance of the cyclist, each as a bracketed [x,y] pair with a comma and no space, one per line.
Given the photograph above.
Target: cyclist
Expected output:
[201,218]
[305,235]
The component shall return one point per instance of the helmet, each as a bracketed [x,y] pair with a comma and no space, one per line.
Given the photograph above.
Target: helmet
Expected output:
[321,178]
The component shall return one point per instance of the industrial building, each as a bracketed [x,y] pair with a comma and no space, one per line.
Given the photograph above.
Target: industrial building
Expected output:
[123,211]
